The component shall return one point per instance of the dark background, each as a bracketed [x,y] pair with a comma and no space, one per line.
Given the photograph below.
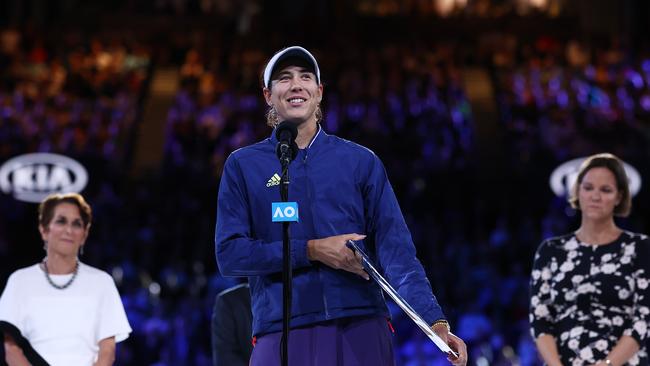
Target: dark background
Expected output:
[470,104]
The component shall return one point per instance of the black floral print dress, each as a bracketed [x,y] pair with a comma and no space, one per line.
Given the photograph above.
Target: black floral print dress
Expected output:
[588,296]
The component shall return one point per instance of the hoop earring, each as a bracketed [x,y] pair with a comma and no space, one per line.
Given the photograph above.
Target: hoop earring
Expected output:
[272,117]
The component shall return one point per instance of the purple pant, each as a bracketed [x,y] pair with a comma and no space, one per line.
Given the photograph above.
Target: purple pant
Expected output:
[341,342]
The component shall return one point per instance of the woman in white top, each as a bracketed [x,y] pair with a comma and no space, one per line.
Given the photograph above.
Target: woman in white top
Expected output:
[71,313]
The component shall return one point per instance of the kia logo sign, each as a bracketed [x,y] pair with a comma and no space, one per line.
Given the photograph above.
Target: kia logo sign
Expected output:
[564,176]
[32,177]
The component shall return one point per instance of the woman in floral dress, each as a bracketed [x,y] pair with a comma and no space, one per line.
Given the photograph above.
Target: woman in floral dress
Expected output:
[590,302]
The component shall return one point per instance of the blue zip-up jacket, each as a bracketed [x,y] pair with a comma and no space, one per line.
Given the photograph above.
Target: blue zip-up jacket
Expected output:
[341,188]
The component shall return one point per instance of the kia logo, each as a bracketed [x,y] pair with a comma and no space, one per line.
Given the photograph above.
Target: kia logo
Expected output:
[32,177]
[564,176]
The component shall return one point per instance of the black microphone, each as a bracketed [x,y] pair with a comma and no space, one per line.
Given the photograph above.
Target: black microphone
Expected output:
[286,149]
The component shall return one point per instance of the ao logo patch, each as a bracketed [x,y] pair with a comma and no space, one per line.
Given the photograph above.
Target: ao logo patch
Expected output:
[284,211]
[32,177]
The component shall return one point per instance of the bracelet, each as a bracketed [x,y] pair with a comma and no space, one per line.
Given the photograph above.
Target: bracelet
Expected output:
[441,321]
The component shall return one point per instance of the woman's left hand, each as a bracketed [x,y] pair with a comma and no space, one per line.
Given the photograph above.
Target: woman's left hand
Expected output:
[459,347]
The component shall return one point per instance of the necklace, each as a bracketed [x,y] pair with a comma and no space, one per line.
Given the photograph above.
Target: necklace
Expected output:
[65,285]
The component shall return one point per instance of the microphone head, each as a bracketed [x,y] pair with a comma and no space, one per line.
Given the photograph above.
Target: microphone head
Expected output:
[286,131]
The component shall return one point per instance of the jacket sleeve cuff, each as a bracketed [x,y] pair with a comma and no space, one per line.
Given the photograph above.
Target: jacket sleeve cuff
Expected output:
[299,253]
[433,316]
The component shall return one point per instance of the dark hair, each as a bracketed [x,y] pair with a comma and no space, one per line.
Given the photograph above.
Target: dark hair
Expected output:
[614,165]
[48,205]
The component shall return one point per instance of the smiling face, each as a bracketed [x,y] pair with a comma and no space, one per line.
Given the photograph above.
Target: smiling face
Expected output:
[598,194]
[294,92]
[65,233]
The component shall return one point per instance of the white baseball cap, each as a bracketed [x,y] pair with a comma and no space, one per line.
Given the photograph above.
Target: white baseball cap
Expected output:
[293,51]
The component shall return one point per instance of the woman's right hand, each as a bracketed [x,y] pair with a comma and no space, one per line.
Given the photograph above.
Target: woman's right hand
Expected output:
[14,355]
[547,348]
[333,252]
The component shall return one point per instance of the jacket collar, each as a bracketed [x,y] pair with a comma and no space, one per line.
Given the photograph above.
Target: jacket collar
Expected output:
[320,134]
